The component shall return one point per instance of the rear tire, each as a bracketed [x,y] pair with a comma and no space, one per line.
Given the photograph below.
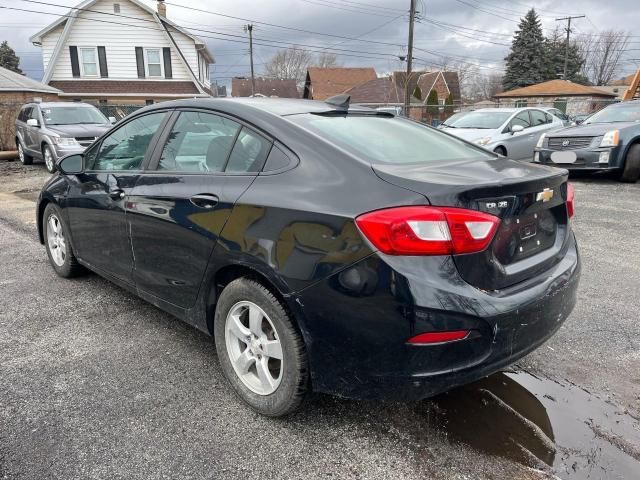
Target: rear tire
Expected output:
[24,158]
[631,170]
[500,151]
[248,352]
[56,241]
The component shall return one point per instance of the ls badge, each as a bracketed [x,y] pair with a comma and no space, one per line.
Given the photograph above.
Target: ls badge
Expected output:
[545,195]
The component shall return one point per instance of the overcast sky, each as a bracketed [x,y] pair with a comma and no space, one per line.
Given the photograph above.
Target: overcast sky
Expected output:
[487,29]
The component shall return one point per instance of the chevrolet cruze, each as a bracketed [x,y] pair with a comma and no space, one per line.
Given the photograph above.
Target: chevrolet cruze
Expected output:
[325,247]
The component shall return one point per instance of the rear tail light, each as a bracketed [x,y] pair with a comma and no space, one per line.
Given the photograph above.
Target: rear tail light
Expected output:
[431,338]
[428,230]
[570,200]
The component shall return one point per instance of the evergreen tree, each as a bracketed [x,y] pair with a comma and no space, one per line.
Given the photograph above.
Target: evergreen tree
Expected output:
[554,47]
[448,104]
[525,64]
[432,103]
[417,92]
[8,58]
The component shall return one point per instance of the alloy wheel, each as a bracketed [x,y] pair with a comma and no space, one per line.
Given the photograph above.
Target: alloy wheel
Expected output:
[48,160]
[20,153]
[254,348]
[56,241]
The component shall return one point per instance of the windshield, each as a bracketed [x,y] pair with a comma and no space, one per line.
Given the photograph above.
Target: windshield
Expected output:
[482,120]
[449,122]
[382,139]
[617,113]
[72,115]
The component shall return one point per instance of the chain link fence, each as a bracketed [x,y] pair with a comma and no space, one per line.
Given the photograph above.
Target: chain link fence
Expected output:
[118,111]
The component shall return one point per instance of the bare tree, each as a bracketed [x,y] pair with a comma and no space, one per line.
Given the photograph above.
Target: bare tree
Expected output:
[290,63]
[603,52]
[326,60]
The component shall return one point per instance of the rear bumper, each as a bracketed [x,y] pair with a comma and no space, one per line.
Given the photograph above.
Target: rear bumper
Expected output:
[356,324]
[587,159]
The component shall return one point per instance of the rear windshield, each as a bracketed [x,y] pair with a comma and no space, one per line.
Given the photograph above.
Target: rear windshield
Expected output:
[72,115]
[382,139]
[482,120]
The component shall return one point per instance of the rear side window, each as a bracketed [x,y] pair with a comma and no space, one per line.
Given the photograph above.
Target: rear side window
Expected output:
[24,114]
[198,142]
[539,117]
[249,153]
[125,148]
[383,139]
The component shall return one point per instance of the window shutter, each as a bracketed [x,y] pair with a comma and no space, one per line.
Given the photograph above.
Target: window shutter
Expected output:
[166,54]
[140,61]
[75,65]
[102,60]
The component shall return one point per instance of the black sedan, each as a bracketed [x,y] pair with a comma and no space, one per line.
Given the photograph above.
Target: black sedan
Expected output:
[324,247]
[608,140]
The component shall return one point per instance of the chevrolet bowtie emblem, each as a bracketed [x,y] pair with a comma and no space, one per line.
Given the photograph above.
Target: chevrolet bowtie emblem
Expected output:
[545,195]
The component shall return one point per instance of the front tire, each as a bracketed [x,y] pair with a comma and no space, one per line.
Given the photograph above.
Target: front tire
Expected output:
[261,353]
[56,238]
[631,170]
[24,158]
[500,151]
[49,159]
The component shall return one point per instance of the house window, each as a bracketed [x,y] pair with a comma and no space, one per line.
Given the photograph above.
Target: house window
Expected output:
[116,8]
[521,103]
[153,65]
[89,61]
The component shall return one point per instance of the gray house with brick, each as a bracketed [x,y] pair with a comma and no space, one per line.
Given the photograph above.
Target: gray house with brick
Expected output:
[122,51]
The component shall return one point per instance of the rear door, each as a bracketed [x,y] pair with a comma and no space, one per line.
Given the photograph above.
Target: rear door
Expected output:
[176,211]
[96,198]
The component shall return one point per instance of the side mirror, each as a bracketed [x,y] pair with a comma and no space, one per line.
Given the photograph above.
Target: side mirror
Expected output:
[112,120]
[32,122]
[517,128]
[579,121]
[71,164]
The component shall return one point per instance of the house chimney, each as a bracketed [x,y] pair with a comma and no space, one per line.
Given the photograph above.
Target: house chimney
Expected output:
[162,8]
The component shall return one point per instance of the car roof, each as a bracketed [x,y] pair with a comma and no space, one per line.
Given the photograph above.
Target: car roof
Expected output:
[275,106]
[506,110]
[62,104]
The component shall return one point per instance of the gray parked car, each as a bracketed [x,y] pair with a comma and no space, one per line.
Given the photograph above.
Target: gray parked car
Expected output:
[566,121]
[49,131]
[512,132]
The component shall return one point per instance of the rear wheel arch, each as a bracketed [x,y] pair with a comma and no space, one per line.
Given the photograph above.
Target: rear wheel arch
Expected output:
[41,208]
[631,165]
[227,274]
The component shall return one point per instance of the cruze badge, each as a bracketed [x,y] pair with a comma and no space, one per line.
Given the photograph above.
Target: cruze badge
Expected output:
[545,195]
[502,204]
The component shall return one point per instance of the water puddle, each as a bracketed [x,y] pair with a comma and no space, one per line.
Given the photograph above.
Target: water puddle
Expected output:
[541,423]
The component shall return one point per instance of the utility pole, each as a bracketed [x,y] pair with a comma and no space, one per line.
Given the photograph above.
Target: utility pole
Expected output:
[566,50]
[407,93]
[249,28]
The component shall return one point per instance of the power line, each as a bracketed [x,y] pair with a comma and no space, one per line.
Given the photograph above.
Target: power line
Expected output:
[325,3]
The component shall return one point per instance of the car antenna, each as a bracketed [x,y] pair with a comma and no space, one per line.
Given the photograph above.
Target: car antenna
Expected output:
[341,102]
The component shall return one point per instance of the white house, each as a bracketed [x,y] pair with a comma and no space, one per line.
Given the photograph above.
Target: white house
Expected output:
[122,51]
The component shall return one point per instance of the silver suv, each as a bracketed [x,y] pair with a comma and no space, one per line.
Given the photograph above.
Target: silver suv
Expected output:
[49,131]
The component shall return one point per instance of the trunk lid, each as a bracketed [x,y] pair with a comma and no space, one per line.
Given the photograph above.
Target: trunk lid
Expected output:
[529,199]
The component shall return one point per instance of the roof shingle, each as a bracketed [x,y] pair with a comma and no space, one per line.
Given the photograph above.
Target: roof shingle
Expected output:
[323,83]
[270,87]
[14,82]
[554,88]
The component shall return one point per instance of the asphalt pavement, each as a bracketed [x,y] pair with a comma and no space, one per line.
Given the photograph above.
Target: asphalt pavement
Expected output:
[96,383]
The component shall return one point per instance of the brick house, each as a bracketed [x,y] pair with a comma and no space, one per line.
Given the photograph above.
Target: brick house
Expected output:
[269,87]
[571,98]
[122,51]
[322,83]
[15,91]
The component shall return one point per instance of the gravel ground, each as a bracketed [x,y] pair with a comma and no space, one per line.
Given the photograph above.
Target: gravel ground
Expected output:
[95,383]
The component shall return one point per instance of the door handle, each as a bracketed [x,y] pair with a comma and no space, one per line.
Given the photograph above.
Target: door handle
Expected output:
[116,194]
[204,200]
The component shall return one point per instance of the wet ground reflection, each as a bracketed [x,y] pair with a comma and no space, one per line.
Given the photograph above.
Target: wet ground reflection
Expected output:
[541,423]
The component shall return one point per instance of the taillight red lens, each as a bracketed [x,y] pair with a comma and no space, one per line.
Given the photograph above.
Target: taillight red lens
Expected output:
[428,230]
[438,337]
[570,200]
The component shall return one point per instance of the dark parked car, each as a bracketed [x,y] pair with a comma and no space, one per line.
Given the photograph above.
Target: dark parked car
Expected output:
[324,247]
[51,130]
[608,140]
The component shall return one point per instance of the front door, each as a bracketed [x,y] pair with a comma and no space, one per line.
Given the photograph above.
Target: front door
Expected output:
[97,197]
[180,204]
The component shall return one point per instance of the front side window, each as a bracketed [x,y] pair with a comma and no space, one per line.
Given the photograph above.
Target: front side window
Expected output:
[125,148]
[153,63]
[521,119]
[393,140]
[199,142]
[89,61]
